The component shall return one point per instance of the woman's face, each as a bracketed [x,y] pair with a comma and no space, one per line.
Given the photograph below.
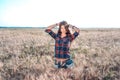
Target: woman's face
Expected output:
[63,30]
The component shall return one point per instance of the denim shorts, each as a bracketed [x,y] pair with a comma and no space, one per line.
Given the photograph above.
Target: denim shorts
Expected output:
[66,64]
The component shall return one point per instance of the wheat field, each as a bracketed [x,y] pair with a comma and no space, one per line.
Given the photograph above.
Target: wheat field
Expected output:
[27,54]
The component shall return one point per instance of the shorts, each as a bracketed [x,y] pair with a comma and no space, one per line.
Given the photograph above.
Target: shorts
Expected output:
[66,64]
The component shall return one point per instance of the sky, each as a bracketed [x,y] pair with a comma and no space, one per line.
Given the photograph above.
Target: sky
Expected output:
[42,13]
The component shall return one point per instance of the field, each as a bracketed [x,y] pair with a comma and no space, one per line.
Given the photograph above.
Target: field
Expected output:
[27,54]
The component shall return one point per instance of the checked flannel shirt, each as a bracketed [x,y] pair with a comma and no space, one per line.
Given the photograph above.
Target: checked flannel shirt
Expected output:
[62,45]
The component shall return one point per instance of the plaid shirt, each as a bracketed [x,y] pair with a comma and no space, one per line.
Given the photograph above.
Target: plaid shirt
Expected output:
[62,45]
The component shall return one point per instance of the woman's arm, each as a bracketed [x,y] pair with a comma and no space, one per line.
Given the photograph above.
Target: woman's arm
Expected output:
[52,26]
[74,28]
[51,33]
[75,34]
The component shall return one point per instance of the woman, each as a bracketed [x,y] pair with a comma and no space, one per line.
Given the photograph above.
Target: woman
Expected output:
[63,40]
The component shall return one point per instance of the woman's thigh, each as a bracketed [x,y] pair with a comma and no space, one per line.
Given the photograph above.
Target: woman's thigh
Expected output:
[67,64]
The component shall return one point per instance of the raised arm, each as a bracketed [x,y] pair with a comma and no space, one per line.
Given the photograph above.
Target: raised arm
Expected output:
[75,34]
[74,28]
[49,30]
[52,26]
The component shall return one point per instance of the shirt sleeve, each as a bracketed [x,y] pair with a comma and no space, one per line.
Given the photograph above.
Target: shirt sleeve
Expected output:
[51,33]
[73,36]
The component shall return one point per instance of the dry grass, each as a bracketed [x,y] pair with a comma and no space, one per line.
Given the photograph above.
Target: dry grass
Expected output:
[27,54]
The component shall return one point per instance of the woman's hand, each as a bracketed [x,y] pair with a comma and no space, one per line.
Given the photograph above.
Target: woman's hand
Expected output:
[70,26]
[74,28]
[57,24]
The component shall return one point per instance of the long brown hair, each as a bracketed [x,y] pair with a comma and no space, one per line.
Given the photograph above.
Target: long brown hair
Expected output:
[66,28]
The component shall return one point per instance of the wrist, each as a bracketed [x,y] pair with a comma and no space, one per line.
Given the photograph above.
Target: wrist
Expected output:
[70,26]
[56,24]
[73,27]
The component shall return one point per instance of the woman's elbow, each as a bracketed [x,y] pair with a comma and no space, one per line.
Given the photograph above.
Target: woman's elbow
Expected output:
[78,30]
